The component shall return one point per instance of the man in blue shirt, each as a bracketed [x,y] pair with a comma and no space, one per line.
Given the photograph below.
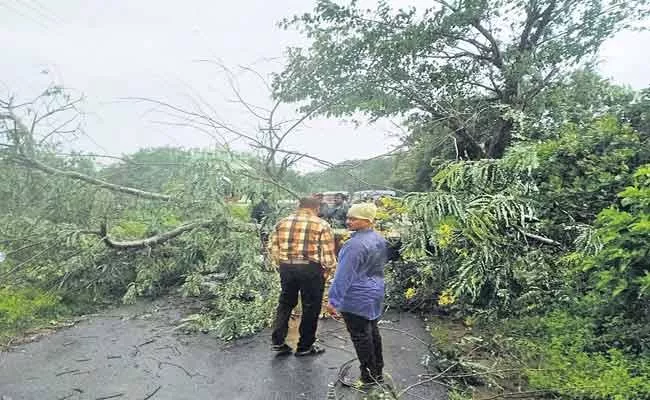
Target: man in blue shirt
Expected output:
[357,291]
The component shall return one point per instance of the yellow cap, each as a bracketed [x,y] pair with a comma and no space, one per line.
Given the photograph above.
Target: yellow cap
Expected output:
[366,211]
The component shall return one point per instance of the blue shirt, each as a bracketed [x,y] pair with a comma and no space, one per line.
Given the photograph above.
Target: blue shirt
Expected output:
[358,286]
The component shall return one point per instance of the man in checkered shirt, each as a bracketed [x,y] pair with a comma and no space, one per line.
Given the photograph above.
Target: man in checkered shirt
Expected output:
[302,245]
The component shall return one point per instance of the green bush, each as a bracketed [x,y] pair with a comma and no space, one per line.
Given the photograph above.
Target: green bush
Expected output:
[562,348]
[22,308]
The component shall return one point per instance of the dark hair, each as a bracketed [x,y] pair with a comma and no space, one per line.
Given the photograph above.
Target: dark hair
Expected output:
[309,202]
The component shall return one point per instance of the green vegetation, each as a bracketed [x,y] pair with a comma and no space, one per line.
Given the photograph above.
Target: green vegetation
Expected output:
[526,227]
[528,171]
[24,308]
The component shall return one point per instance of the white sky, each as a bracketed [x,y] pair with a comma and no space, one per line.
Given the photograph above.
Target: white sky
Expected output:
[109,50]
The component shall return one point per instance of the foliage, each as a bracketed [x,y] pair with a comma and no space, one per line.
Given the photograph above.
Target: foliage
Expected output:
[587,166]
[493,221]
[246,295]
[480,233]
[577,99]
[51,232]
[620,271]
[352,175]
[472,68]
[21,308]
[552,240]
[564,348]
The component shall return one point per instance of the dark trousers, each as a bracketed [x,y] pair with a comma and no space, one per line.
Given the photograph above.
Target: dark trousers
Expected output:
[307,280]
[367,343]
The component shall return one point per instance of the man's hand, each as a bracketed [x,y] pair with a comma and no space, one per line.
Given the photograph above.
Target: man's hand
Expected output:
[326,275]
[331,310]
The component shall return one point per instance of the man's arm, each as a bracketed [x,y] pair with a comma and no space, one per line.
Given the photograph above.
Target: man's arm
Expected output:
[327,248]
[274,248]
[345,274]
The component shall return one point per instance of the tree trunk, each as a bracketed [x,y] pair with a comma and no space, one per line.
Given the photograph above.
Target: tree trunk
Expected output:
[500,142]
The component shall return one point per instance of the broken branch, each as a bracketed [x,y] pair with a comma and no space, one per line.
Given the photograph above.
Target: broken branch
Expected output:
[153,240]
[93,181]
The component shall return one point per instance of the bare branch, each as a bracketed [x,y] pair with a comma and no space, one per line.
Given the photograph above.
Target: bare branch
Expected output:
[166,236]
[123,159]
[273,182]
[29,162]
[153,240]
[57,130]
[541,239]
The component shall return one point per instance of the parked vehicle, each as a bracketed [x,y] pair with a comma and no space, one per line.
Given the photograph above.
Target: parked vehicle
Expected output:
[372,194]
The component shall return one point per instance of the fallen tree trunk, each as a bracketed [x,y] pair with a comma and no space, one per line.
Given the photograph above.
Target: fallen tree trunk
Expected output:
[153,240]
[165,236]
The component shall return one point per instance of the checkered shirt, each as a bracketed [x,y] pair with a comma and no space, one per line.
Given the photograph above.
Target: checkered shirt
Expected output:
[303,236]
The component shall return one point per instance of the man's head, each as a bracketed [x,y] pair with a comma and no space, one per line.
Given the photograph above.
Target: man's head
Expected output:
[361,216]
[266,194]
[339,198]
[318,196]
[309,203]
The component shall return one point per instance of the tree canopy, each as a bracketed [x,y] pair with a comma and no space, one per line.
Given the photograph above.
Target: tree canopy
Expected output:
[473,69]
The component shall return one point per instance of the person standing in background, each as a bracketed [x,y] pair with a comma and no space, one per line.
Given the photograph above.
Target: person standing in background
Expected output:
[338,214]
[323,208]
[260,213]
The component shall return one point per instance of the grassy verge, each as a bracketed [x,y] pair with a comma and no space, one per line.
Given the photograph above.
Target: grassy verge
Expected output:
[555,356]
[23,309]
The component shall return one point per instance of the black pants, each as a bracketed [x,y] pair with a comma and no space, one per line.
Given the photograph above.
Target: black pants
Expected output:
[367,343]
[308,281]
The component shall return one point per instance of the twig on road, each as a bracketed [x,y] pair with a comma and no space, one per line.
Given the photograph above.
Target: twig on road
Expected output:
[432,379]
[518,394]
[160,363]
[412,336]
[343,370]
[178,366]
[112,396]
[71,371]
[152,393]
[146,342]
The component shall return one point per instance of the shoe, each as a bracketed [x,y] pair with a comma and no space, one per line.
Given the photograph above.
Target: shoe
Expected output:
[312,351]
[281,349]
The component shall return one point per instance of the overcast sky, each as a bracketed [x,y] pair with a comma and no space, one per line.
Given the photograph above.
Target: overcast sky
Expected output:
[109,50]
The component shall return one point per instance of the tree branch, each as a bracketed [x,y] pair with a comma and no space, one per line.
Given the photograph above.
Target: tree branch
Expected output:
[539,238]
[29,162]
[543,23]
[273,182]
[153,240]
[166,236]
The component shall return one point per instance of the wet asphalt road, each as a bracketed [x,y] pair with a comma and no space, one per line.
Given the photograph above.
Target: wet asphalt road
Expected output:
[135,353]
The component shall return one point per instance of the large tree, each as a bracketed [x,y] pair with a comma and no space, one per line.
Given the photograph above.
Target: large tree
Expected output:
[465,70]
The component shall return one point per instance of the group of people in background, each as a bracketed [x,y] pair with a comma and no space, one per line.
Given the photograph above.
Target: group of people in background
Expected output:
[336,214]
